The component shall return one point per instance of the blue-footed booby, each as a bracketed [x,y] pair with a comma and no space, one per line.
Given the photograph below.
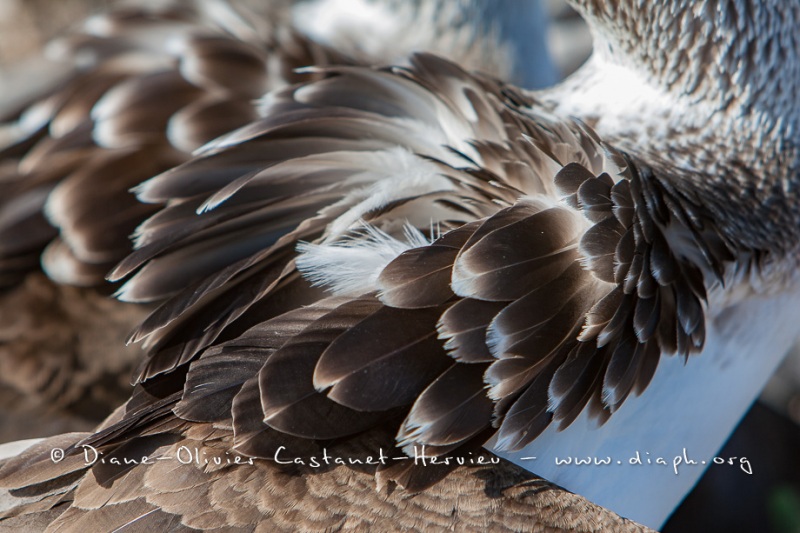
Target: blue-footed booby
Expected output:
[408,263]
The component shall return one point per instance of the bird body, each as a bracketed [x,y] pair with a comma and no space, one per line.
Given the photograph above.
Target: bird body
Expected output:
[392,258]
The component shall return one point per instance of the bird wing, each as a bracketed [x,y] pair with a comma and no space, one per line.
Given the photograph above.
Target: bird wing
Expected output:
[417,256]
[476,245]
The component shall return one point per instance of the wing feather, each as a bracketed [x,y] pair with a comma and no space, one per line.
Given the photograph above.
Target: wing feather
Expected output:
[557,265]
[551,291]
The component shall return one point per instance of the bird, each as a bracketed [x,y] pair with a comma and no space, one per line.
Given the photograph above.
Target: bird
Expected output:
[430,262]
[132,92]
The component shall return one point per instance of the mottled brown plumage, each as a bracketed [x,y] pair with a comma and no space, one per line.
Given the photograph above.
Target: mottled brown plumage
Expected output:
[406,257]
[132,93]
[327,371]
[62,348]
[343,365]
[137,90]
[169,496]
[154,84]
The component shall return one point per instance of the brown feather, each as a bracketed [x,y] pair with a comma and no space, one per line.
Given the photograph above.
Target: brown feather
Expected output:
[450,410]
[290,401]
[463,328]
[386,360]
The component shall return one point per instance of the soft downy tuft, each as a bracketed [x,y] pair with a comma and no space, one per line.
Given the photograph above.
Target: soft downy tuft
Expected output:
[351,266]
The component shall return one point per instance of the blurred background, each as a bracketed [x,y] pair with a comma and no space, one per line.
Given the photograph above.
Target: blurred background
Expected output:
[726,500]
[25,25]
